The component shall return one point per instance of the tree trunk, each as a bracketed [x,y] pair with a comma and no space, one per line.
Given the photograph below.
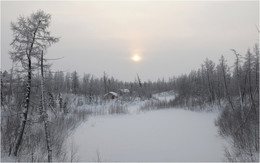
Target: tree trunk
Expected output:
[45,115]
[24,114]
[10,86]
[238,80]
[210,88]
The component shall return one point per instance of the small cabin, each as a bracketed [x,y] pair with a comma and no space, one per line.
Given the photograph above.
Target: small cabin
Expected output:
[111,95]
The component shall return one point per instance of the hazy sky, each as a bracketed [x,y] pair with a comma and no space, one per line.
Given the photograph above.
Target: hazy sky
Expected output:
[172,37]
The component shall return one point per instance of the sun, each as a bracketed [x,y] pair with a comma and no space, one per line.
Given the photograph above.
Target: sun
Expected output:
[136,58]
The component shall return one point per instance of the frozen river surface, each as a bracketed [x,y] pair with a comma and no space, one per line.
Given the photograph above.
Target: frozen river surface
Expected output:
[163,135]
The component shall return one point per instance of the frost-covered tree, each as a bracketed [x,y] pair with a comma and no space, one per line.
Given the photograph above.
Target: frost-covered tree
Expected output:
[85,84]
[75,82]
[59,82]
[210,68]
[30,37]
[225,69]
[105,82]
[68,82]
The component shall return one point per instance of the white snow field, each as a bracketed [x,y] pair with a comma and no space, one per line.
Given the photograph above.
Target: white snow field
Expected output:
[161,135]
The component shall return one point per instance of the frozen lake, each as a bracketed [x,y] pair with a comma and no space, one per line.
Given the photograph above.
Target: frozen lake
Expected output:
[163,135]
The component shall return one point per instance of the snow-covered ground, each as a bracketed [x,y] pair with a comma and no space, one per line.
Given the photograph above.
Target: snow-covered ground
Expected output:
[164,96]
[162,135]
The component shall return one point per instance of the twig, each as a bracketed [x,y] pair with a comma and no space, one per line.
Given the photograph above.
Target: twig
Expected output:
[55,58]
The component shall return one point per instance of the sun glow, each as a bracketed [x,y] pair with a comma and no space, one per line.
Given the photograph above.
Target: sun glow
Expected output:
[136,58]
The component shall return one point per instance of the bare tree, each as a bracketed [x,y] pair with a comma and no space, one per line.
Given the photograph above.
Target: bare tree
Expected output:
[139,81]
[91,88]
[85,83]
[45,115]
[210,66]
[75,82]
[30,38]
[105,82]
[224,68]
[238,76]
[256,66]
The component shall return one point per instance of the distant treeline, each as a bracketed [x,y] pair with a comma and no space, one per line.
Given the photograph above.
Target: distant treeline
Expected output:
[88,85]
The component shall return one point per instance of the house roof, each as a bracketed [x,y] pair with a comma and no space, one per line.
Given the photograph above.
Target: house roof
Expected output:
[113,93]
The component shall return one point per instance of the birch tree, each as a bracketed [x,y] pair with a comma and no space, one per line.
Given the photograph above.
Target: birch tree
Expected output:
[44,114]
[30,37]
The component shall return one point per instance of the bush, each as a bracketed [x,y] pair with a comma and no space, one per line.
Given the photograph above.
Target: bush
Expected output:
[241,125]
